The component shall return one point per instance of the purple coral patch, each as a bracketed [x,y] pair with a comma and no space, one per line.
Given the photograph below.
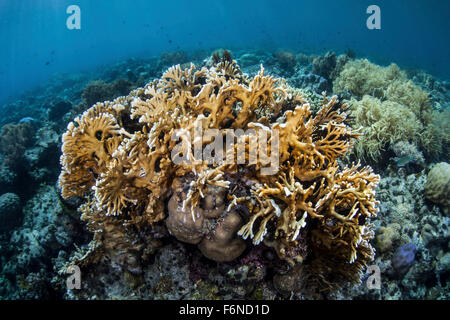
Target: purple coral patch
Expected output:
[403,258]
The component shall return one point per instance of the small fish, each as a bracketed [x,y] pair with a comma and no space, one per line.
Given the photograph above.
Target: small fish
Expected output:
[403,161]
[27,120]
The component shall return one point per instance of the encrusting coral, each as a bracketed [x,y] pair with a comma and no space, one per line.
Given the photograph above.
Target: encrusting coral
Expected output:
[134,161]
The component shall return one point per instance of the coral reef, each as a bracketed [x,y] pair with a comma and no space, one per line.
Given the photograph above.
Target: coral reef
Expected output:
[10,211]
[361,77]
[310,82]
[14,139]
[123,158]
[7,177]
[406,153]
[383,124]
[408,219]
[28,257]
[99,90]
[168,59]
[324,65]
[58,109]
[184,239]
[286,60]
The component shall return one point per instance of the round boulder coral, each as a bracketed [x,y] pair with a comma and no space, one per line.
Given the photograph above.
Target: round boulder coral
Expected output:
[437,188]
[209,225]
[223,243]
[182,224]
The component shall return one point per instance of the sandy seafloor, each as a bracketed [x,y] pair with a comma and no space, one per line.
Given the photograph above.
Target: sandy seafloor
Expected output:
[40,230]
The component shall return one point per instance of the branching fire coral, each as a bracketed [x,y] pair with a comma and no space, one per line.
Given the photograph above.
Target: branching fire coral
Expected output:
[135,161]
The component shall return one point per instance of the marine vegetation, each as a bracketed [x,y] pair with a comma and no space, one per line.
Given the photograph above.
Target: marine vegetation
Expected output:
[391,109]
[118,156]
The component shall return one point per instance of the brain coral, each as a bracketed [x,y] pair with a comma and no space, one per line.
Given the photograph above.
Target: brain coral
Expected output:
[120,156]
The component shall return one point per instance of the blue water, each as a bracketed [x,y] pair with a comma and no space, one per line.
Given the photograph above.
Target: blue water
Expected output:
[35,42]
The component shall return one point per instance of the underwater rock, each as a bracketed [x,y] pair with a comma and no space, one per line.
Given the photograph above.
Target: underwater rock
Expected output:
[443,265]
[46,231]
[10,211]
[285,284]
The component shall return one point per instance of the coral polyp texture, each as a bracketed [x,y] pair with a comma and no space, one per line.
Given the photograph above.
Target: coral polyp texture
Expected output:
[120,157]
